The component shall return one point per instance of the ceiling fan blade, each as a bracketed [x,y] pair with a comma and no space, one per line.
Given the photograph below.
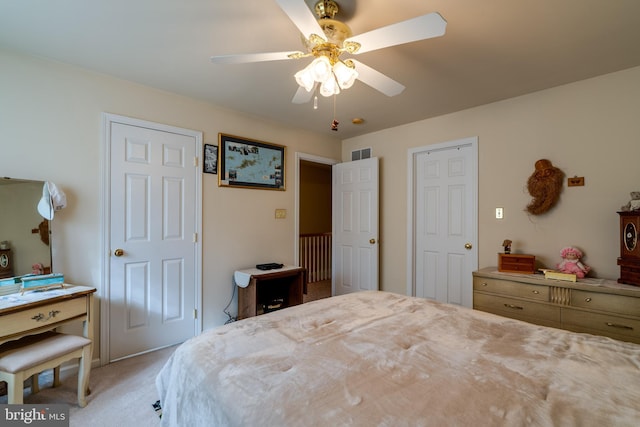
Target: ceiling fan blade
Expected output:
[302,96]
[411,30]
[377,80]
[250,57]
[301,16]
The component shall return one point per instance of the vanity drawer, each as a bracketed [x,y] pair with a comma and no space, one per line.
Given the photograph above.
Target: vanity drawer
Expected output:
[44,315]
[603,323]
[513,289]
[619,304]
[543,314]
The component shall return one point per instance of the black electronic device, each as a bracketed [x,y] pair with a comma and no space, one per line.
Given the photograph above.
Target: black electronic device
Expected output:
[269,266]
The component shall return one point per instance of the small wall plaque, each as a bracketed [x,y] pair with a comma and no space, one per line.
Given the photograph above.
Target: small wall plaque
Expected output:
[576,181]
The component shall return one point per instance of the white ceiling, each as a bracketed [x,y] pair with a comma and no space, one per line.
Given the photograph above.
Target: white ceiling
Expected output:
[492,50]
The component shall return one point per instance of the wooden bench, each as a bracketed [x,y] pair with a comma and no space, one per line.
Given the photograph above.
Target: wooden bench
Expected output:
[30,355]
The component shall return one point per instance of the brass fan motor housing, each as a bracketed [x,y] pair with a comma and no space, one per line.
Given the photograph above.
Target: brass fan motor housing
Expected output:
[326,9]
[336,31]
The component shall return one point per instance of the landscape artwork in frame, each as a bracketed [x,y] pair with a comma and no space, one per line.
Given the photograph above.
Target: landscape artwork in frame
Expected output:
[248,163]
[210,163]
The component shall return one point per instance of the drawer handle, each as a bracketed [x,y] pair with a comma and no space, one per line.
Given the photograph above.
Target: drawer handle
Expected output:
[536,292]
[587,299]
[516,307]
[40,317]
[484,283]
[619,326]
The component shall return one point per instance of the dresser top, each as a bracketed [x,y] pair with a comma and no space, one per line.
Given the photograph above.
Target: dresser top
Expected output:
[593,284]
[18,301]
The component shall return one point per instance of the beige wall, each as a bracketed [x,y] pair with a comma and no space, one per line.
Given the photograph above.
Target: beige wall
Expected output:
[589,128]
[50,129]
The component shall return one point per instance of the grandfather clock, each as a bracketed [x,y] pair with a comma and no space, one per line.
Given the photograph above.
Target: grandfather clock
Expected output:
[629,260]
[6,263]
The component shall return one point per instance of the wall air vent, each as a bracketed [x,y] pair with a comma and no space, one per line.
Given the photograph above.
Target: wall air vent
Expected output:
[364,153]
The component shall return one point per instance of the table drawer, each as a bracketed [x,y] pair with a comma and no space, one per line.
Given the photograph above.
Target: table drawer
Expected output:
[37,317]
[513,289]
[607,324]
[618,304]
[517,308]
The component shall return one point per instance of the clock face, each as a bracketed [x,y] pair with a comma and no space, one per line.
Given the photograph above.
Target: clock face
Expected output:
[4,261]
[630,237]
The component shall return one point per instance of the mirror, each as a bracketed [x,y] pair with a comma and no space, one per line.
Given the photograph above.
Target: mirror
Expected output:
[25,238]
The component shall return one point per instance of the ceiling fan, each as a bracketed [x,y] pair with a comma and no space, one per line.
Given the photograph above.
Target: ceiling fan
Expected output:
[326,39]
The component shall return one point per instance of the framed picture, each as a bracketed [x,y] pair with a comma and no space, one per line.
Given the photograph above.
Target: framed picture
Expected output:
[210,163]
[250,164]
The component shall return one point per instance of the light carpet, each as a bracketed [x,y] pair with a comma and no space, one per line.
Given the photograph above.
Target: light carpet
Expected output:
[122,393]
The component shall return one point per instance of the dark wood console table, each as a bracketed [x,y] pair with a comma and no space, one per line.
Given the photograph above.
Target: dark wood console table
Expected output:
[260,291]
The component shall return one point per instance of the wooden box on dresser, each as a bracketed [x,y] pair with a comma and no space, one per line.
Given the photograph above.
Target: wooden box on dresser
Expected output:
[595,306]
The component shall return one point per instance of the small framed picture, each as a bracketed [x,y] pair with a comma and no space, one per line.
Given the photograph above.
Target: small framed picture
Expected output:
[210,163]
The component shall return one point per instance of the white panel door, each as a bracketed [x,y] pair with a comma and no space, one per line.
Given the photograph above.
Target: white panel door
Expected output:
[445,251]
[355,226]
[152,267]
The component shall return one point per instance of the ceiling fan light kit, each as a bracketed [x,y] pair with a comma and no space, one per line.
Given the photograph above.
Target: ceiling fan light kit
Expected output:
[327,69]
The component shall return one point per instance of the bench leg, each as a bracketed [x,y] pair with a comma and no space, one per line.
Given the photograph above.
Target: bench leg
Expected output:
[15,389]
[35,387]
[56,376]
[83,376]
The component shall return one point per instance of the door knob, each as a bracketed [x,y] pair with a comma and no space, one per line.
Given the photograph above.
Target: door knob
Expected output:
[468,246]
[372,241]
[118,252]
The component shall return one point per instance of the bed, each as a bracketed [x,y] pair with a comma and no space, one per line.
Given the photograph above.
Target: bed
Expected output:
[383,359]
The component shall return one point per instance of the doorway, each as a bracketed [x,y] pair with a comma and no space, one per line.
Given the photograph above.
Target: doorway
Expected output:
[313,223]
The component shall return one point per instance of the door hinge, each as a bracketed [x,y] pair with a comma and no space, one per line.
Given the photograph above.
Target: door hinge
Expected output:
[195,313]
[195,238]
[195,161]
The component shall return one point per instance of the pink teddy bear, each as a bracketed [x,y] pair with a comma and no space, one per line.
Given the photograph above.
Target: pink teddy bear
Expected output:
[571,262]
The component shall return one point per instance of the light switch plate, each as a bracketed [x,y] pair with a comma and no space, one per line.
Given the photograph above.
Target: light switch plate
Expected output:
[499,213]
[281,213]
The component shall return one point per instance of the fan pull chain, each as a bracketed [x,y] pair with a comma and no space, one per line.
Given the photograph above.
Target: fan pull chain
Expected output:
[335,122]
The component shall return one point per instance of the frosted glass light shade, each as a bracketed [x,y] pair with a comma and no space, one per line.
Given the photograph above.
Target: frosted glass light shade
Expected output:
[329,87]
[304,78]
[346,76]
[321,69]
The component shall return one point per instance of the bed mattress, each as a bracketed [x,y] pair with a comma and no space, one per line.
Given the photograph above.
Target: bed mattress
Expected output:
[383,359]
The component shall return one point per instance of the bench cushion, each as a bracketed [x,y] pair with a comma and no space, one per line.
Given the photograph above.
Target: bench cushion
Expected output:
[16,356]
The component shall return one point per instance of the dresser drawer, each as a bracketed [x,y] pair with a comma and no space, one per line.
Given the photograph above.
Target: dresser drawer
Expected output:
[605,324]
[618,304]
[38,317]
[544,314]
[513,289]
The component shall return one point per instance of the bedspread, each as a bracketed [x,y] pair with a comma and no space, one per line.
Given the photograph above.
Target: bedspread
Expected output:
[382,359]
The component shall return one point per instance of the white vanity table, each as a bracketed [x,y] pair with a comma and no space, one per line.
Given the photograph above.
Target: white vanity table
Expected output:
[26,236]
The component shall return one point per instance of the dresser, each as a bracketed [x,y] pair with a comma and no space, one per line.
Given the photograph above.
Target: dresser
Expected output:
[595,306]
